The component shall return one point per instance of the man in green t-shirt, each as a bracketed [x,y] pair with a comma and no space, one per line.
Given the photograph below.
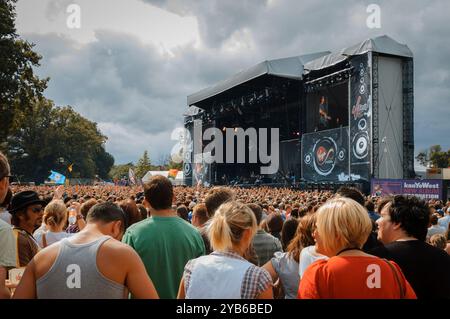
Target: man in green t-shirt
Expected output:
[165,242]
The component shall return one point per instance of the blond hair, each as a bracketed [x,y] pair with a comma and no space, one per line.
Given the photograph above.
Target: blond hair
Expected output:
[229,223]
[438,241]
[343,223]
[54,213]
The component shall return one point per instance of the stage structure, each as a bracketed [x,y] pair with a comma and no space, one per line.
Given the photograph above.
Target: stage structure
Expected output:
[367,91]
[344,117]
[267,95]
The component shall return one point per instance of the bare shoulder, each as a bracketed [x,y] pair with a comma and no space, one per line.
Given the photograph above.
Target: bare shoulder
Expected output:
[115,249]
[45,258]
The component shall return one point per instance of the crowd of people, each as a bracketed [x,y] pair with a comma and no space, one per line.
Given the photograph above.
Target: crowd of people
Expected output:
[161,241]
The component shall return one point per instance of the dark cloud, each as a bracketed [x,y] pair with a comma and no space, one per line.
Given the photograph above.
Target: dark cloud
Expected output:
[124,84]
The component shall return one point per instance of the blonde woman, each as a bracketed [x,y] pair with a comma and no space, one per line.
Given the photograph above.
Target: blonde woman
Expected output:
[225,274]
[343,226]
[54,219]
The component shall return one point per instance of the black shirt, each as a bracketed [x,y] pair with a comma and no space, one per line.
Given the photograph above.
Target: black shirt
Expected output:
[426,268]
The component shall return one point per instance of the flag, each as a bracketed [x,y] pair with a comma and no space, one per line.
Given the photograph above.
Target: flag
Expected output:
[173,173]
[131,176]
[57,178]
[70,168]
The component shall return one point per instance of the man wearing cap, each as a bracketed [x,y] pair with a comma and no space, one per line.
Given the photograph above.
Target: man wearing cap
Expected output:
[7,247]
[27,210]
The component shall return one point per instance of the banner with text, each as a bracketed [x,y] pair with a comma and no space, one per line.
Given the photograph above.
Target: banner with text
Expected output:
[425,188]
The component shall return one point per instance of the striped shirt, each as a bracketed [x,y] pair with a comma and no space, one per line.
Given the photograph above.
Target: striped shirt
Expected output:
[265,246]
[255,281]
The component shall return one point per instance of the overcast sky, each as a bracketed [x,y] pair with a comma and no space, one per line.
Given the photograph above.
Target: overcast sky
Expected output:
[132,63]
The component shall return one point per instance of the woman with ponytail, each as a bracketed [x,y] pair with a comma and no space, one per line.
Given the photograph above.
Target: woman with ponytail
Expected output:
[54,219]
[225,274]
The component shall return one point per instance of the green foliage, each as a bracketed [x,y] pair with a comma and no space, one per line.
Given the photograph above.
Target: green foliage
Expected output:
[119,171]
[434,157]
[19,86]
[50,137]
[36,135]
[143,165]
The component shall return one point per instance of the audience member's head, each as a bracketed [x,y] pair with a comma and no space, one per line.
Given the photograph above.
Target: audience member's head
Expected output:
[232,227]
[183,212]
[257,211]
[4,177]
[158,193]
[351,192]
[288,232]
[199,215]
[341,223]
[110,219]
[131,211]
[438,241]
[216,197]
[55,214]
[402,216]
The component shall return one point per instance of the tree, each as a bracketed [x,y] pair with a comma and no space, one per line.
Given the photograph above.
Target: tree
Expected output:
[119,171]
[103,162]
[52,138]
[434,157]
[143,165]
[19,86]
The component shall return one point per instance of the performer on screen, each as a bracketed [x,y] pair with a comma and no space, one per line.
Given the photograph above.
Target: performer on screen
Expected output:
[324,118]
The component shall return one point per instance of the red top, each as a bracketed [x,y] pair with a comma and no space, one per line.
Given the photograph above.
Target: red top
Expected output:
[353,277]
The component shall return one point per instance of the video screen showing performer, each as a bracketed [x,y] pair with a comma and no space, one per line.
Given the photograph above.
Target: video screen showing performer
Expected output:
[327,108]
[324,117]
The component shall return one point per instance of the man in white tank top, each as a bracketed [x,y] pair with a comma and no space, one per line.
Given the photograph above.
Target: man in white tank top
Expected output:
[92,264]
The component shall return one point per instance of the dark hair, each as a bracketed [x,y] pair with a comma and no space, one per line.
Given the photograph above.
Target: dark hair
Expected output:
[143,211]
[288,232]
[351,192]
[131,211]
[257,210]
[434,219]
[369,205]
[275,223]
[86,206]
[183,212]
[4,166]
[159,192]
[294,213]
[107,212]
[412,213]
[217,197]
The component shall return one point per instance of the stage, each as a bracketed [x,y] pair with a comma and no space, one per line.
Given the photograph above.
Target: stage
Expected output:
[341,117]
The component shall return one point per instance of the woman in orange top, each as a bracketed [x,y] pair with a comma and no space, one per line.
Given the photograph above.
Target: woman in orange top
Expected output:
[343,226]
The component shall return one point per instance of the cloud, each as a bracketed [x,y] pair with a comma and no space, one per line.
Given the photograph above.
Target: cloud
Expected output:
[120,73]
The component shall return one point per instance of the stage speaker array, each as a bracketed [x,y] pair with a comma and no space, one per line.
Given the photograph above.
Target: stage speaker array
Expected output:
[325,155]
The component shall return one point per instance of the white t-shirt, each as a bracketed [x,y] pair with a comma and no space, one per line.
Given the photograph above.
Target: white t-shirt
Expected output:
[444,221]
[5,216]
[50,237]
[307,257]
[435,229]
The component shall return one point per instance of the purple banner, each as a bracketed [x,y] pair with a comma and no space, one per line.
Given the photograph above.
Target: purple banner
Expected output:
[425,188]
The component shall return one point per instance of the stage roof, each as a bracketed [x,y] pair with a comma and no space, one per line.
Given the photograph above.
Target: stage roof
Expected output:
[291,68]
[382,44]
